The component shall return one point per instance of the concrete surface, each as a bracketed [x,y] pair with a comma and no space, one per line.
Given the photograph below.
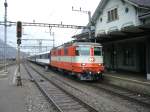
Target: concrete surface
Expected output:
[11,96]
[134,82]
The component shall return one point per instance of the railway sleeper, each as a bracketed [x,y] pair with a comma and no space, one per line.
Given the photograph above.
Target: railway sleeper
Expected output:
[64,101]
[75,107]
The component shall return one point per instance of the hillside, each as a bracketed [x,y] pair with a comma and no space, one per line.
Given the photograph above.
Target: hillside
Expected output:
[11,52]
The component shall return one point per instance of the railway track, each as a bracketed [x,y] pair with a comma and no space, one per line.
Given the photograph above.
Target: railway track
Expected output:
[8,65]
[142,99]
[132,96]
[123,93]
[61,99]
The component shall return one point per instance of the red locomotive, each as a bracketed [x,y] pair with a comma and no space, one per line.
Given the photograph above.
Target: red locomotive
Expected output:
[83,59]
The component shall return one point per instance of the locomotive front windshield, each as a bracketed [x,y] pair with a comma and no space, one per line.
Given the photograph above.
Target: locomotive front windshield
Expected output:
[85,51]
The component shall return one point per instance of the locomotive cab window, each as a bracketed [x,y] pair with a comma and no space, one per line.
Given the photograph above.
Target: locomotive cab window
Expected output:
[77,51]
[82,51]
[97,51]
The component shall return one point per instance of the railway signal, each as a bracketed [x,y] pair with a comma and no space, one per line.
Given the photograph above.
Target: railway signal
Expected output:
[19,35]
[19,32]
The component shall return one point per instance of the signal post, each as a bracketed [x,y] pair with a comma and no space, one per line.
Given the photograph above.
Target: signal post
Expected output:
[19,35]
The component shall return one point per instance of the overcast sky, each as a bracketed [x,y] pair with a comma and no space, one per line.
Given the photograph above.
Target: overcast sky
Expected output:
[46,11]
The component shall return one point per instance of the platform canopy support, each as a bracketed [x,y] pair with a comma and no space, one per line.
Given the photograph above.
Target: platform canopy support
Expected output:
[148,58]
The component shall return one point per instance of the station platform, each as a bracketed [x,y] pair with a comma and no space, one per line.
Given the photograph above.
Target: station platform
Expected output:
[11,96]
[132,81]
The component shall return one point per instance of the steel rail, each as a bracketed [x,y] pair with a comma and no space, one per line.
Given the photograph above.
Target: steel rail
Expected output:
[8,65]
[82,105]
[132,96]
[142,99]
[43,92]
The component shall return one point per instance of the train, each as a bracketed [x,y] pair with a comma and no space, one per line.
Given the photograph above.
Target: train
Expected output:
[81,59]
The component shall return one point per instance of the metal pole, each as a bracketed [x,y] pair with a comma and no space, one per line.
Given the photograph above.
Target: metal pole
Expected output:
[5,35]
[53,40]
[19,35]
[89,14]
[52,34]
[40,46]
[18,56]
[19,82]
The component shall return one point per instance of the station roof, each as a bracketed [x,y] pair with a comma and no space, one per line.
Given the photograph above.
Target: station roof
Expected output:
[144,3]
[137,3]
[124,33]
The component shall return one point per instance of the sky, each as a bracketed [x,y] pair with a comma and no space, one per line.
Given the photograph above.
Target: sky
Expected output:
[45,11]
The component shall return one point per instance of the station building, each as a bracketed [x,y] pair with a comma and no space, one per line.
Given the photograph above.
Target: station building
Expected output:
[123,27]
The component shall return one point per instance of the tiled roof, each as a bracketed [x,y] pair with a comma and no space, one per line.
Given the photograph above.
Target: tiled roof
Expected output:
[144,3]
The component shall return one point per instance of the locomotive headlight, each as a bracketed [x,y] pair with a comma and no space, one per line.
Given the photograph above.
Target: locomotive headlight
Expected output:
[83,64]
[100,64]
[98,72]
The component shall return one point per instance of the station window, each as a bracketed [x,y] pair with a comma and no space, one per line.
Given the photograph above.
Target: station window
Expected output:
[128,59]
[101,19]
[126,9]
[113,15]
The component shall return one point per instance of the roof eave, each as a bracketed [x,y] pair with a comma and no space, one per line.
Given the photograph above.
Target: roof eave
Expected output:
[137,5]
[98,10]
[102,3]
[144,7]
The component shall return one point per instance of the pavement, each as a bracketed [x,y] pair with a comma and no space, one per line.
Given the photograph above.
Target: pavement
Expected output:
[134,77]
[11,96]
[131,81]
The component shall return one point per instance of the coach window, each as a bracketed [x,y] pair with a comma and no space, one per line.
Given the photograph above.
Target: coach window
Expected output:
[46,56]
[97,51]
[59,52]
[65,51]
[54,53]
